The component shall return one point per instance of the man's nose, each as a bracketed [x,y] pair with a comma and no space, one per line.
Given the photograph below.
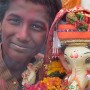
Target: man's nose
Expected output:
[23,34]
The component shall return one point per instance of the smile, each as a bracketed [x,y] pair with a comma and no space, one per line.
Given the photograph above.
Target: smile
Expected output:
[19,48]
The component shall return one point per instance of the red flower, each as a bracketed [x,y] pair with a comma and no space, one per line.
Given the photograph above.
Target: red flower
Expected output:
[37,86]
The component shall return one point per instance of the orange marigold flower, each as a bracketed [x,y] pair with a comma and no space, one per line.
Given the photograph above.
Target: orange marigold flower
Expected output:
[53,83]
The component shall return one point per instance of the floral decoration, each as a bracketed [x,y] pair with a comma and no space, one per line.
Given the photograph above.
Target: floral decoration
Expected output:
[49,83]
[54,79]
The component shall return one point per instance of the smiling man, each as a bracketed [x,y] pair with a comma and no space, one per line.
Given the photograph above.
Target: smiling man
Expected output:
[25,25]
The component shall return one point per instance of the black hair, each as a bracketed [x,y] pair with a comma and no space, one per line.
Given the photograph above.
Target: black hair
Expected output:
[53,6]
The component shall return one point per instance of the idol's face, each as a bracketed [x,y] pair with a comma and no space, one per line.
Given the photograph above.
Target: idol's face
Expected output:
[78,60]
[24,29]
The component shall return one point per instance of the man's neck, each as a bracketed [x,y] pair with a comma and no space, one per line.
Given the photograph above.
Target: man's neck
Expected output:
[16,67]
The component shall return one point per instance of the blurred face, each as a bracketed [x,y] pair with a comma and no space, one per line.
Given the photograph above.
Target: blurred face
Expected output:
[85,4]
[24,29]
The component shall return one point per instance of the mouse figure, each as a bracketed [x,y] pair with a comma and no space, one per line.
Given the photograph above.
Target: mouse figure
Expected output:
[29,75]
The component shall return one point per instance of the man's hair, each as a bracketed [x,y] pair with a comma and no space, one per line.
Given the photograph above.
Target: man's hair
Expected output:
[52,6]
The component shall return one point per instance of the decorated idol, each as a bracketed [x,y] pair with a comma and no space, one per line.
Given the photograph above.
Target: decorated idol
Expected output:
[67,59]
[72,28]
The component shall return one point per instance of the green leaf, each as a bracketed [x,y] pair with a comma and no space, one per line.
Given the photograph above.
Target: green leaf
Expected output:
[79,16]
[58,74]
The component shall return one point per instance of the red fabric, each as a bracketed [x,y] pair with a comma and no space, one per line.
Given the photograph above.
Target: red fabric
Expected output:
[48,53]
[60,14]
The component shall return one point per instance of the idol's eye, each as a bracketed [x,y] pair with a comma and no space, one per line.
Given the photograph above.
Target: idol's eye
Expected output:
[67,61]
[87,61]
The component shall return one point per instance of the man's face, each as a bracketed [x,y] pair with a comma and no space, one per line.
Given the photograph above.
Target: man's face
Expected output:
[24,29]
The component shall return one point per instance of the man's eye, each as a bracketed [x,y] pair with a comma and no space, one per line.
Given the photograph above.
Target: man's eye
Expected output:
[14,21]
[37,27]
[87,61]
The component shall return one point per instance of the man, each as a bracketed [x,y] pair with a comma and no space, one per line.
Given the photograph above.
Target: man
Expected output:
[25,25]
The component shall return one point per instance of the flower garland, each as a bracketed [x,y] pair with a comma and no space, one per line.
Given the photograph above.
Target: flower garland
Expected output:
[54,80]
[55,68]
[49,83]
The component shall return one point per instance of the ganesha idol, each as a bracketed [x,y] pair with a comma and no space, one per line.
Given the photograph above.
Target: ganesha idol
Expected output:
[73,30]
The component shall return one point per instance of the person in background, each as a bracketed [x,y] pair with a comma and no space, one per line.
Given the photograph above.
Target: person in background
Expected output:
[85,4]
[24,26]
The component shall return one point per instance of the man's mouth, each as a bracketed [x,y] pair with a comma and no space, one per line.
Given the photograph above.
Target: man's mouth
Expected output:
[20,48]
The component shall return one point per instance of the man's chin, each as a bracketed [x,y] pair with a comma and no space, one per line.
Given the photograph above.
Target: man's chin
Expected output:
[16,55]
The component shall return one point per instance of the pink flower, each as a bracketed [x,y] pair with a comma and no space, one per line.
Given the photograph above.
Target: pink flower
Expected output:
[37,86]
